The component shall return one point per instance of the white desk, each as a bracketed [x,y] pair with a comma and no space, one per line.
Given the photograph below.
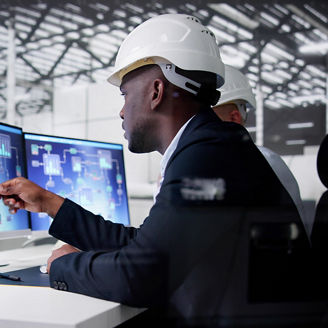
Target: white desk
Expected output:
[22,258]
[33,307]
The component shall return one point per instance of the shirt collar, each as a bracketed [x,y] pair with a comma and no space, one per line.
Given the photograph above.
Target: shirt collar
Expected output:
[171,148]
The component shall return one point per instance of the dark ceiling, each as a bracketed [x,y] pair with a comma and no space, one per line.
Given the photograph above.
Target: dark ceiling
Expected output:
[61,43]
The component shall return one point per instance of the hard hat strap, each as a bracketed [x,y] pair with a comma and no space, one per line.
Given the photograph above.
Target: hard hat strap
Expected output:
[169,71]
[202,92]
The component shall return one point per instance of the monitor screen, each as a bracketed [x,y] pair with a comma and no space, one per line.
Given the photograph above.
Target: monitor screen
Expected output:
[90,173]
[12,164]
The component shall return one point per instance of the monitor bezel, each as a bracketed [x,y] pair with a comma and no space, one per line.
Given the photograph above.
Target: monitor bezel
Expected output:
[12,234]
[37,233]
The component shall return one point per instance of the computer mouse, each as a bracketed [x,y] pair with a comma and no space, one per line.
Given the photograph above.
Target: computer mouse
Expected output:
[43,268]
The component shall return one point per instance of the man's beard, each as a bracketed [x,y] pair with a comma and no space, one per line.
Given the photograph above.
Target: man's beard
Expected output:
[140,142]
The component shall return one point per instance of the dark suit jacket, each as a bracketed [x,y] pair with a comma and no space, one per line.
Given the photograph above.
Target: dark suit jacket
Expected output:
[180,257]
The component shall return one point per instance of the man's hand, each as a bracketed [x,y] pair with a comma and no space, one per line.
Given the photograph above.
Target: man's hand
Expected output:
[20,193]
[59,252]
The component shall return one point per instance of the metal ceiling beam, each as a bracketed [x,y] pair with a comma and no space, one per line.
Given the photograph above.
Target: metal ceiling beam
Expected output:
[83,46]
[32,66]
[308,18]
[321,10]
[37,24]
[84,72]
[314,59]
[255,3]
[283,86]
[263,42]
[56,63]
[213,12]
[108,18]
[264,34]
[25,84]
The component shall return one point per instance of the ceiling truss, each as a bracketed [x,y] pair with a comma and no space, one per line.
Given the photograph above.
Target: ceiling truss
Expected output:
[62,43]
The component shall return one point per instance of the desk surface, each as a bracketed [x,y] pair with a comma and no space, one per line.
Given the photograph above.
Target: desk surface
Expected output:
[33,307]
[22,258]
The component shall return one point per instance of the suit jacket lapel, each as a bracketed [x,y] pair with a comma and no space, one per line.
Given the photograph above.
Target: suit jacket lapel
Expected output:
[204,116]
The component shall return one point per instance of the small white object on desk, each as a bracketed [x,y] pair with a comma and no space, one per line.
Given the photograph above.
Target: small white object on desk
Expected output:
[43,269]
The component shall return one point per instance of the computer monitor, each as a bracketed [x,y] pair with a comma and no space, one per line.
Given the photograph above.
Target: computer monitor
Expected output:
[12,164]
[90,173]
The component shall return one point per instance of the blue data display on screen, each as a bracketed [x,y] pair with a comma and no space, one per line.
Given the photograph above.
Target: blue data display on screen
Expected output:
[89,173]
[11,166]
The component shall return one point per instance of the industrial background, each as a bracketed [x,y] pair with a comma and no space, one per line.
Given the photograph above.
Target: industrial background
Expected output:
[281,47]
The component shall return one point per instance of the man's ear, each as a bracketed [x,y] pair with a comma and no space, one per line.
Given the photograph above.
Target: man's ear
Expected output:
[235,116]
[157,93]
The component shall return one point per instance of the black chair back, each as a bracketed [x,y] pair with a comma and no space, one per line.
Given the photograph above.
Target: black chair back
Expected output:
[319,234]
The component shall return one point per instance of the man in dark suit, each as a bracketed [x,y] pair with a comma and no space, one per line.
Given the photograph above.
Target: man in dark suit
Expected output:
[179,260]
[236,99]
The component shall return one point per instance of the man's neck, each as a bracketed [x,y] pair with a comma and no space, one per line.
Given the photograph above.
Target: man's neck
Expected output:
[171,130]
[177,111]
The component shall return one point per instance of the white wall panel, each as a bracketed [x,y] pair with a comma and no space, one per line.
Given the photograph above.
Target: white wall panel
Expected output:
[71,130]
[38,123]
[107,129]
[70,105]
[104,101]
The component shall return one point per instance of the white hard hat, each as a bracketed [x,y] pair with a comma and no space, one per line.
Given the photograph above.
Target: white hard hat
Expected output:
[236,88]
[170,40]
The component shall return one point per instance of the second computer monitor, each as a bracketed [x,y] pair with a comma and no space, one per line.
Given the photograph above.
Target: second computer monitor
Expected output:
[89,173]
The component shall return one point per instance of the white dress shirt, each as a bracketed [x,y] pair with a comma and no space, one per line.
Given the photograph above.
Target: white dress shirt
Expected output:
[167,155]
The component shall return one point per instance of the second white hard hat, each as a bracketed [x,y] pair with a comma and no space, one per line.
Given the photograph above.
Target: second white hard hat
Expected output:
[236,87]
[176,39]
